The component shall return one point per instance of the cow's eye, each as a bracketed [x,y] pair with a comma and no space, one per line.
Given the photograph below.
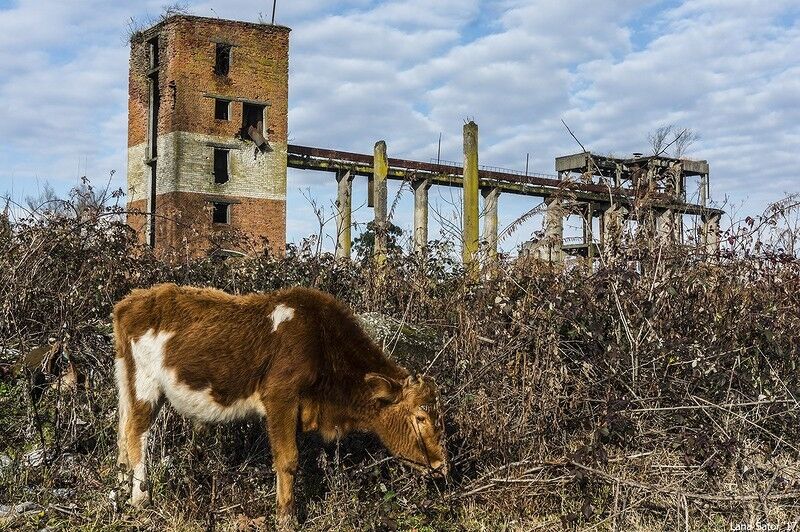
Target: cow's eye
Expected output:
[421,419]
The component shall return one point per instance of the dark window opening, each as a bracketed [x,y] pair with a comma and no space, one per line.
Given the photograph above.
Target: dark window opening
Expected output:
[221,213]
[152,118]
[253,123]
[154,97]
[152,48]
[221,166]
[222,109]
[223,63]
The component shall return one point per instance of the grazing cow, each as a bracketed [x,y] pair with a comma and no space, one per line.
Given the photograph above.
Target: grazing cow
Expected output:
[296,357]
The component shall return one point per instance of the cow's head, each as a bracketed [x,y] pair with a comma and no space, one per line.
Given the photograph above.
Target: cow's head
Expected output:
[409,420]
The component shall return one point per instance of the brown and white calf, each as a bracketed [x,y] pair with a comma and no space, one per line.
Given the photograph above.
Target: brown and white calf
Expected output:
[296,357]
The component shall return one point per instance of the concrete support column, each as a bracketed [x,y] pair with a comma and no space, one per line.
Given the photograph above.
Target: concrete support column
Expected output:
[553,241]
[343,214]
[490,201]
[588,233]
[380,169]
[421,188]
[711,233]
[612,226]
[470,207]
[703,189]
[666,228]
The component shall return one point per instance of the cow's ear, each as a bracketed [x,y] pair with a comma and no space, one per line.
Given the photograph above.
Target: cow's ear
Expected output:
[383,388]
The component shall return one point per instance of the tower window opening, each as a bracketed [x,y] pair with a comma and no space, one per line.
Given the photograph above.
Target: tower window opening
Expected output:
[223,59]
[221,213]
[152,49]
[222,109]
[253,123]
[221,158]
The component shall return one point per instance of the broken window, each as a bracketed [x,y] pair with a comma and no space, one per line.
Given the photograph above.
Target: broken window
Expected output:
[221,165]
[222,109]
[253,123]
[221,213]
[223,62]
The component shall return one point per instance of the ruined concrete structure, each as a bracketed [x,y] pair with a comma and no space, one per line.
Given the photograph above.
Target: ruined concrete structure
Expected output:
[648,189]
[207,160]
[207,125]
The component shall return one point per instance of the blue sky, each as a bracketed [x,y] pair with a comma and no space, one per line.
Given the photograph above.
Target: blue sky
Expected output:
[407,70]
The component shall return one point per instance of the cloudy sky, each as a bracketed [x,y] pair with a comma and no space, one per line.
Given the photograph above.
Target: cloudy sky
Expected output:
[407,70]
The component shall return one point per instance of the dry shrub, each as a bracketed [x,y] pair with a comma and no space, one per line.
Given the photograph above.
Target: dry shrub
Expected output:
[656,390]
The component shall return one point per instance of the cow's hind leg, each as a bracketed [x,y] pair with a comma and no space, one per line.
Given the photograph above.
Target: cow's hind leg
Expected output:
[123,402]
[137,429]
[282,429]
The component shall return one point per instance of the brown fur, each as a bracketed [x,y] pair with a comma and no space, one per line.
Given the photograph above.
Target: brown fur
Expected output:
[318,372]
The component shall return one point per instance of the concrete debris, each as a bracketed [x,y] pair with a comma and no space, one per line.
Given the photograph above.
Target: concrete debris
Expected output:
[34,458]
[8,511]
[64,493]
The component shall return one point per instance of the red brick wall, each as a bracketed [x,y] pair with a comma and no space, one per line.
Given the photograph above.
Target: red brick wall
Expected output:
[259,71]
[184,224]
[138,222]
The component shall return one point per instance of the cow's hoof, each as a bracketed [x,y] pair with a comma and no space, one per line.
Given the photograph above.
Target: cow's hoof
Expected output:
[286,523]
[139,498]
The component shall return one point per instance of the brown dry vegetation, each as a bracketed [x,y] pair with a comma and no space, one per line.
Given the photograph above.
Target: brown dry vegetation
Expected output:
[602,398]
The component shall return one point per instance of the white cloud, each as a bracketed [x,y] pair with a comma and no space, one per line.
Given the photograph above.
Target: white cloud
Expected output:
[406,70]
[729,72]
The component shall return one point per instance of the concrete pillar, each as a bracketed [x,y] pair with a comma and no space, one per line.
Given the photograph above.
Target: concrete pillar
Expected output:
[470,211]
[380,169]
[490,201]
[666,228]
[343,214]
[711,233]
[421,188]
[612,227]
[703,189]
[551,248]
[588,233]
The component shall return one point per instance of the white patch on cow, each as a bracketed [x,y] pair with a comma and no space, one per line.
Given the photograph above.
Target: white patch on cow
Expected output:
[280,314]
[121,374]
[153,380]
[200,404]
[148,354]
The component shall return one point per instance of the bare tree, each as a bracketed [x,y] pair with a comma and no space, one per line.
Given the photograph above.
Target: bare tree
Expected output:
[664,137]
[683,141]
[658,138]
[46,201]
[135,26]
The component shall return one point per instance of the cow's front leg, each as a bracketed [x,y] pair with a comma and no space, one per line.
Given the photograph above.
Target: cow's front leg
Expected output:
[282,430]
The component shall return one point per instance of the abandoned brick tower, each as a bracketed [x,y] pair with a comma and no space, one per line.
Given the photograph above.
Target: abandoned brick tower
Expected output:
[207,121]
